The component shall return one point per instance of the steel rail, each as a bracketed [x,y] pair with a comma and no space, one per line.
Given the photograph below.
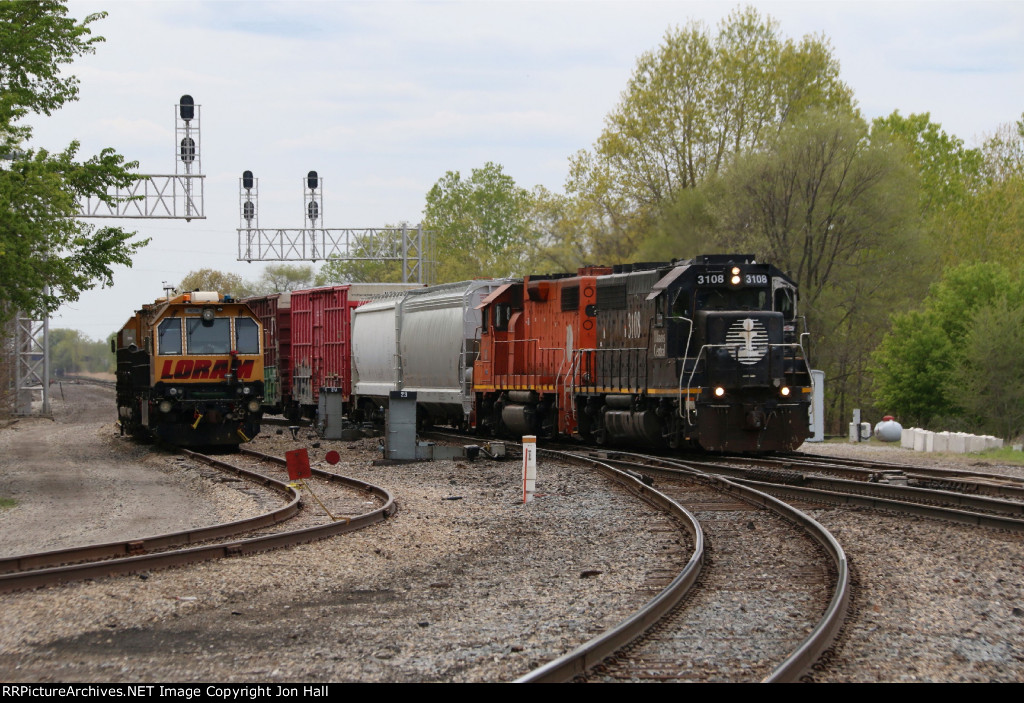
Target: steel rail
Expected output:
[818,495]
[821,637]
[20,565]
[897,494]
[129,564]
[597,649]
[790,669]
[883,496]
[1014,483]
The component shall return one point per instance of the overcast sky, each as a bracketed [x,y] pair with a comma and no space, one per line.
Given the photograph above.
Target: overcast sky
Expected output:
[382,98]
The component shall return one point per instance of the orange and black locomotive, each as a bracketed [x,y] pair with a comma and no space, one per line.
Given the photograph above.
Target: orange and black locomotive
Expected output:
[701,353]
[190,371]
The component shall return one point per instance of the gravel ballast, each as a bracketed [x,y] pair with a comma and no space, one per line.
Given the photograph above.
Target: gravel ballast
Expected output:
[465,583]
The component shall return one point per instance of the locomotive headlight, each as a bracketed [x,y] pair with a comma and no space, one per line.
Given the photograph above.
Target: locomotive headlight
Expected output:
[735,280]
[254,405]
[208,314]
[784,391]
[165,406]
[719,391]
[247,390]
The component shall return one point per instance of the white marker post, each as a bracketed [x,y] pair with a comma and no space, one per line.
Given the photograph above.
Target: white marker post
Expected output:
[529,467]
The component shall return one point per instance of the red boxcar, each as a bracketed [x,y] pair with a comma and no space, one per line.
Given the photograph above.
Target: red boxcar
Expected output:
[274,312]
[321,343]
[308,342]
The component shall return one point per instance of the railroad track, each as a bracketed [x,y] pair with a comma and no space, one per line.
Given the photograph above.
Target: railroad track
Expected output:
[357,504]
[693,634]
[86,380]
[978,482]
[934,495]
[987,500]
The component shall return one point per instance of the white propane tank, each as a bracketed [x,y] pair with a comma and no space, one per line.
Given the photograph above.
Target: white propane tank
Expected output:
[888,430]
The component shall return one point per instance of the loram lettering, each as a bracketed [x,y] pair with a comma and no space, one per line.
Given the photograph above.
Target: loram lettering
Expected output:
[203,369]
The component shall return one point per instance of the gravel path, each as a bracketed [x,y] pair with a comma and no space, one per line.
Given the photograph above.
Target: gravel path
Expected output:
[77,482]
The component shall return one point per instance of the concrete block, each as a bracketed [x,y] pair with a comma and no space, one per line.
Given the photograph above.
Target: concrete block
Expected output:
[957,443]
[940,442]
[975,443]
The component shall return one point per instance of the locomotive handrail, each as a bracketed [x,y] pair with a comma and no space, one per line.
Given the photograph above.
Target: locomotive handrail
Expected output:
[537,349]
[693,371]
[571,393]
[682,370]
[620,352]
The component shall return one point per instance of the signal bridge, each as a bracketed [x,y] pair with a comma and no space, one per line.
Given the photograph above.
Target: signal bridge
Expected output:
[177,196]
[408,244]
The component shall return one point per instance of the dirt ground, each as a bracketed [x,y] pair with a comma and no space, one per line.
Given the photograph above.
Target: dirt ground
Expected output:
[75,481]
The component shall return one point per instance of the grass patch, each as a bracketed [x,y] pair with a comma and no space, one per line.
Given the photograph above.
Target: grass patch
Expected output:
[1004,455]
[7,502]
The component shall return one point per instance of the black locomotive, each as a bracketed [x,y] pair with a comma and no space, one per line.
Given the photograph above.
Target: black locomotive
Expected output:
[704,352]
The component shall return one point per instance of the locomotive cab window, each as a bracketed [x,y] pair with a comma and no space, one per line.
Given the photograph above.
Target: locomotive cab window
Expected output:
[742,299]
[169,336]
[785,303]
[681,305]
[502,313]
[247,336]
[208,336]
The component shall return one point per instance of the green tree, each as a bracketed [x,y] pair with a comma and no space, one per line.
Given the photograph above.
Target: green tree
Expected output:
[915,360]
[821,202]
[72,352]
[692,105]
[837,211]
[42,246]
[562,227]
[910,367]
[221,281]
[278,278]
[949,173]
[988,381]
[991,225]
[1003,152]
[371,266]
[480,224]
